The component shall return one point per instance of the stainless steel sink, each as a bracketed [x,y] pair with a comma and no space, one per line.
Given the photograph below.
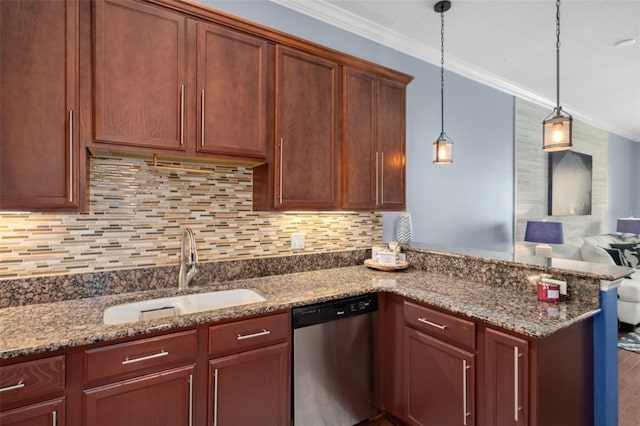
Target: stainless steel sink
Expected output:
[179,305]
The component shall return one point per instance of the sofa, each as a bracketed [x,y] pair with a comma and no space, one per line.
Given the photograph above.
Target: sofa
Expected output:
[611,249]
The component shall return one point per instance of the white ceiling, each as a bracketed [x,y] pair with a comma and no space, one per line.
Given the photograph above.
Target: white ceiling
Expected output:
[510,45]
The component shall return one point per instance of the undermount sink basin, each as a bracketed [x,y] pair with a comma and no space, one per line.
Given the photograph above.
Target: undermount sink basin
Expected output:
[179,305]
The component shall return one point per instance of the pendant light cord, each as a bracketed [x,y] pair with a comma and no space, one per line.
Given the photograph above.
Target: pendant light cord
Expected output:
[442,72]
[558,55]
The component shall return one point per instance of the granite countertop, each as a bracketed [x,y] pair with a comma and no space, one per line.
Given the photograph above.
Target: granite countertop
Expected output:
[33,329]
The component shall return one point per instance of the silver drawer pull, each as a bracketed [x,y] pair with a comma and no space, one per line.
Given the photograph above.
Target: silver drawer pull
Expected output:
[14,387]
[215,399]
[145,358]
[516,384]
[70,198]
[465,413]
[202,119]
[432,324]
[264,332]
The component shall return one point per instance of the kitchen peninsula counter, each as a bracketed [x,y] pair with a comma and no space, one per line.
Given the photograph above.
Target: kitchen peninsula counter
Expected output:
[39,328]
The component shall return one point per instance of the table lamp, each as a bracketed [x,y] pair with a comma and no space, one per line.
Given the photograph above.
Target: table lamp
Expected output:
[544,233]
[630,225]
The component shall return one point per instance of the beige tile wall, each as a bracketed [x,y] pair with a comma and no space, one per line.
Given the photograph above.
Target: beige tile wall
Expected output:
[532,174]
[137,215]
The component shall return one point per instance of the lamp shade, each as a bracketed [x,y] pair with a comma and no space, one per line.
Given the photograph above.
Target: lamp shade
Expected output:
[557,131]
[630,225]
[544,232]
[442,150]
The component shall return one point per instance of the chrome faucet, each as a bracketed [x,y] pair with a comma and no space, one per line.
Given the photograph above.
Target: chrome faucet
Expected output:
[188,258]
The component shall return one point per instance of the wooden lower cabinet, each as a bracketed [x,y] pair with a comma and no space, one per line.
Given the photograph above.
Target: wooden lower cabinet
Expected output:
[506,382]
[162,398]
[250,388]
[511,379]
[439,381]
[32,392]
[541,382]
[49,413]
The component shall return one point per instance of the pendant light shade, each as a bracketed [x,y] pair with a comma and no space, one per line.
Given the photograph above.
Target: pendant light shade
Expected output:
[442,150]
[443,146]
[556,128]
[557,131]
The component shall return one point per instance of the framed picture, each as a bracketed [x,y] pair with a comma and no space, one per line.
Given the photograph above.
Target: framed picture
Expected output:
[570,183]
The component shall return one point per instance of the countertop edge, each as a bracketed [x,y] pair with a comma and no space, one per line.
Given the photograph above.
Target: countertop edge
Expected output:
[356,282]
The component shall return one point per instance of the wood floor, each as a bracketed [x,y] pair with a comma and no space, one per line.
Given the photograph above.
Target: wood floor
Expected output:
[629,387]
[629,392]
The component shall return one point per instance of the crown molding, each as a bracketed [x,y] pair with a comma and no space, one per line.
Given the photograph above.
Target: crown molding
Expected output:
[345,20]
[337,17]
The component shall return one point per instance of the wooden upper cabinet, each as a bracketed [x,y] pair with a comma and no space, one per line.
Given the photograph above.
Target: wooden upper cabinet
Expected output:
[360,110]
[391,144]
[373,142]
[39,105]
[232,78]
[306,148]
[140,75]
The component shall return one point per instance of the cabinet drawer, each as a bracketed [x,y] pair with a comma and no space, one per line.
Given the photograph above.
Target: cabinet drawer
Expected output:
[152,353]
[247,334]
[438,324]
[30,379]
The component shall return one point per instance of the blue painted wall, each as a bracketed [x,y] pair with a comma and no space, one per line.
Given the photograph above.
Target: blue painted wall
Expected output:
[468,204]
[623,179]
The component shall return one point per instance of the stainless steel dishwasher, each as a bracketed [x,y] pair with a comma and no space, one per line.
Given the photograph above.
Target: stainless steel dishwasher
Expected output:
[335,362]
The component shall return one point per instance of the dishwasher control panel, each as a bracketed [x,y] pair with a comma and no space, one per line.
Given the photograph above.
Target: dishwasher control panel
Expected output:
[334,310]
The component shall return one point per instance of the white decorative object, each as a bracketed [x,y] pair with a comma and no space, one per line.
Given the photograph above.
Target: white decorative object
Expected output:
[386,258]
[404,231]
[375,250]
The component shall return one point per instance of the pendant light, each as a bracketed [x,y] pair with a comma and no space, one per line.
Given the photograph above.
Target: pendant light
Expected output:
[443,146]
[556,128]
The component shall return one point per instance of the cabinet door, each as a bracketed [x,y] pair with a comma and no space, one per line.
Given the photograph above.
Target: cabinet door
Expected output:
[38,106]
[49,413]
[439,381]
[359,175]
[140,70]
[506,379]
[164,398]
[232,83]
[250,388]
[306,157]
[391,144]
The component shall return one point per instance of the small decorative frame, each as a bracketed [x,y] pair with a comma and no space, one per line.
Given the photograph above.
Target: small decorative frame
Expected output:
[570,183]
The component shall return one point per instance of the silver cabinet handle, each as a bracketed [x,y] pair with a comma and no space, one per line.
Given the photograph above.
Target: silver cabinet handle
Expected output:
[382,178]
[145,358]
[70,155]
[432,324]
[202,119]
[465,413]
[281,149]
[215,398]
[20,385]
[264,332]
[182,114]
[516,383]
[190,399]
[54,418]
[377,184]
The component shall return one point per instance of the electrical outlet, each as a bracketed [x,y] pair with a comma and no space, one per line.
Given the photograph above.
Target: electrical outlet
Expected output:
[297,241]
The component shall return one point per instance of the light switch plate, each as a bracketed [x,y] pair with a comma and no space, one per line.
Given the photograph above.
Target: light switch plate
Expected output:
[297,241]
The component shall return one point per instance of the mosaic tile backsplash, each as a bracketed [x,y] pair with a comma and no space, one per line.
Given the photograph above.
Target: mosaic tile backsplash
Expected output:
[137,216]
